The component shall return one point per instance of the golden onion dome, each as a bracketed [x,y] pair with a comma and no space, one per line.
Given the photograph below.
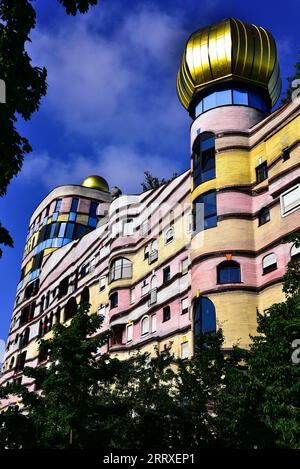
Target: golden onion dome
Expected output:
[230,50]
[96,182]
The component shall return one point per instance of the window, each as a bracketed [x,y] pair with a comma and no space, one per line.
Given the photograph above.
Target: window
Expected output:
[290,200]
[166,274]
[93,209]
[204,317]
[129,333]
[153,290]
[70,230]
[261,172]
[229,272]
[58,205]
[184,350]
[85,296]
[74,205]
[62,228]
[63,287]
[184,306]
[169,236]
[21,359]
[153,256]
[145,288]
[153,323]
[102,284]
[70,308]
[37,261]
[132,295]
[185,266]
[295,252]
[263,216]
[120,268]
[240,97]
[269,263]
[145,325]
[166,313]
[204,164]
[205,211]
[286,154]
[145,228]
[92,264]
[128,227]
[113,300]
[146,252]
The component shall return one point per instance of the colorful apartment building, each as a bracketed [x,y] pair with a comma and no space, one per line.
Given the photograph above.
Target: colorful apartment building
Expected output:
[203,251]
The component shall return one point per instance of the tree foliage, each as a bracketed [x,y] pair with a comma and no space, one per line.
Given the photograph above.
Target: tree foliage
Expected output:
[296,76]
[153,182]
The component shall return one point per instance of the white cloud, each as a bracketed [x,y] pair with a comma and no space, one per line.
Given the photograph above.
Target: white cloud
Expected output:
[119,165]
[113,84]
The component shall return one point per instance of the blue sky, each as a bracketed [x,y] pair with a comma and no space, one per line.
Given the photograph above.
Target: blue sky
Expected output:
[111,107]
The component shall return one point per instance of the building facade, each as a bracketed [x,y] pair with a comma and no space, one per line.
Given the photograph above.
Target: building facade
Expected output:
[203,251]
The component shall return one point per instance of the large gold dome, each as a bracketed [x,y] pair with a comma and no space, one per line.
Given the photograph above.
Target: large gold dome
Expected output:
[230,50]
[96,182]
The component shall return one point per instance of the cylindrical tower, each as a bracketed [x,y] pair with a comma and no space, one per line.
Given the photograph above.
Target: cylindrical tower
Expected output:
[228,81]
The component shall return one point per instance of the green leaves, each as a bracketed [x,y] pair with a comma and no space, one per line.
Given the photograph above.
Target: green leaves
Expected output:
[74,6]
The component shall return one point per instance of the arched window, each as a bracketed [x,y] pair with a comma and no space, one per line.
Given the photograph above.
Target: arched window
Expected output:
[229,272]
[145,325]
[146,251]
[204,317]
[120,268]
[295,252]
[204,160]
[269,263]
[85,296]
[24,338]
[169,235]
[70,308]
[11,363]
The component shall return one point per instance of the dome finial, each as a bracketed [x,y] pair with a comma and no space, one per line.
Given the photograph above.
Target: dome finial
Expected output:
[96,182]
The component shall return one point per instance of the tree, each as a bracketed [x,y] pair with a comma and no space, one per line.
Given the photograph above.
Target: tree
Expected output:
[290,80]
[152,182]
[25,85]
[261,408]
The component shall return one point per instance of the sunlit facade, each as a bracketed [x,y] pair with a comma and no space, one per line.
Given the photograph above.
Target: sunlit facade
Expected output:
[203,251]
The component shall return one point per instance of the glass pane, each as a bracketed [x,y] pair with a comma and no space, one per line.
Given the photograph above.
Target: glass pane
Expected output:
[210,102]
[210,204]
[199,108]
[240,97]
[257,101]
[224,97]
[74,205]
[69,230]
[208,316]
[72,216]
[61,232]
[208,166]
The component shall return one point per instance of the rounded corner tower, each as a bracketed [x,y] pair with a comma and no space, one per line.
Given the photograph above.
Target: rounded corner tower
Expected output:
[229,63]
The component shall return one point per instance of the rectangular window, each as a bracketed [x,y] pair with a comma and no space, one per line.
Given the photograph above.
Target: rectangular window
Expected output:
[62,229]
[58,205]
[205,211]
[128,228]
[286,154]
[224,97]
[290,200]
[153,323]
[93,209]
[74,205]
[70,230]
[145,228]
[132,295]
[184,350]
[166,274]
[185,266]
[240,97]
[261,172]
[184,306]
[113,300]
[209,102]
[102,284]
[102,310]
[129,333]
[166,313]
[145,289]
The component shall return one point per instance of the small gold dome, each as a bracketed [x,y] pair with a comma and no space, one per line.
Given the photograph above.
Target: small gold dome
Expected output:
[230,50]
[96,182]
